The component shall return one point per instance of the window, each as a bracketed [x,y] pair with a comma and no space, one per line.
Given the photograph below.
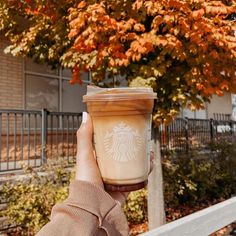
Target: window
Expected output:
[72,96]
[50,89]
[41,92]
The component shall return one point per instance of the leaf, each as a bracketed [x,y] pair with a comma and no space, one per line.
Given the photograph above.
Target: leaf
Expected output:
[198,14]
[81,5]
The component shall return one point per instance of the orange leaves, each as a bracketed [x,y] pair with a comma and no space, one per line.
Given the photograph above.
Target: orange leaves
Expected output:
[139,27]
[198,14]
[137,4]
[159,39]
[218,10]
[180,5]
[81,5]
[77,24]
[157,21]
[75,76]
[213,86]
[138,48]
[199,86]
[215,54]
[73,32]
[219,92]
[31,11]
[224,85]
[184,26]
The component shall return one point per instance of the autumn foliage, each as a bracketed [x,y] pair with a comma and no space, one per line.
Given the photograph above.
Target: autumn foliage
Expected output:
[184,49]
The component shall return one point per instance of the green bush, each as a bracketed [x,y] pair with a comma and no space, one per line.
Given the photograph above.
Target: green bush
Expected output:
[192,179]
[135,207]
[202,176]
[188,180]
[30,200]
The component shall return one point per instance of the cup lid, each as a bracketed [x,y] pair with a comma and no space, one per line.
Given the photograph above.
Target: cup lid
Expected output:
[95,93]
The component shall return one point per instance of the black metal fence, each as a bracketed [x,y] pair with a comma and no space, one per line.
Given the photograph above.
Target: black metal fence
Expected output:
[183,135]
[31,137]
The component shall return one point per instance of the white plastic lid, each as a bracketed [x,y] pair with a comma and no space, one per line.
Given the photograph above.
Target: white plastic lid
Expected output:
[95,93]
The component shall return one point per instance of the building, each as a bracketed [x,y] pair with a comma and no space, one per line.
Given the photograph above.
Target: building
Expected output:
[26,85]
[220,108]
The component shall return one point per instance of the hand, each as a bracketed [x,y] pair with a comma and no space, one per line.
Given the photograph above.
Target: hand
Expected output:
[86,166]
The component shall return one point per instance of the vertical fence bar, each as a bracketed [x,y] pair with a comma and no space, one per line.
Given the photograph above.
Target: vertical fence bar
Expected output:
[22,136]
[186,127]
[51,134]
[73,133]
[0,141]
[168,141]
[35,139]
[57,126]
[15,128]
[212,129]
[7,140]
[231,124]
[44,136]
[67,129]
[28,139]
[62,133]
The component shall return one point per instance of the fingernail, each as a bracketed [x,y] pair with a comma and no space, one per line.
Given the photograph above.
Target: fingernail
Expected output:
[84,117]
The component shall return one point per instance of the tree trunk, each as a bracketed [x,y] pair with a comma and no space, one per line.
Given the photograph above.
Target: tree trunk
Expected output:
[156,208]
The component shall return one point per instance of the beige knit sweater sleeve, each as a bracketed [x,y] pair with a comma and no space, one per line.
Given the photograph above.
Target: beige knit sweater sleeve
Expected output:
[88,210]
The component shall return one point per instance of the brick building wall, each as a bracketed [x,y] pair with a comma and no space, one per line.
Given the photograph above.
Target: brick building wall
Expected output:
[11,79]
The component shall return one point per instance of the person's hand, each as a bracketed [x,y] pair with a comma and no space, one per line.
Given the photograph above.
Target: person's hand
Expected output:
[86,166]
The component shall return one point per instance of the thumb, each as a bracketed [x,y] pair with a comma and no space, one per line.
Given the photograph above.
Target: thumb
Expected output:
[86,166]
[84,138]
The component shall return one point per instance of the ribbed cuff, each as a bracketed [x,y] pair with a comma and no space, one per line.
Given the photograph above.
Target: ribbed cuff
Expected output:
[90,197]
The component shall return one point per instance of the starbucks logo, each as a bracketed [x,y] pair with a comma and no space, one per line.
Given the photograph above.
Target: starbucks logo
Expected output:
[122,143]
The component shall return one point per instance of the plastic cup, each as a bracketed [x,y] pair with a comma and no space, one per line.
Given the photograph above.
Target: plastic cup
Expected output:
[122,133]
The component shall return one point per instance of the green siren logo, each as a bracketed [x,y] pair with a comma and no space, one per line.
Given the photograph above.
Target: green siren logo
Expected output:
[122,143]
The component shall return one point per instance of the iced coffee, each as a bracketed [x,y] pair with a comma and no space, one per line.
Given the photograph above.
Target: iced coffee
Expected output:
[122,131]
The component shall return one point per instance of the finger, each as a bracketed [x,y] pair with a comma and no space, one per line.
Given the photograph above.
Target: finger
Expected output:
[86,166]
[84,138]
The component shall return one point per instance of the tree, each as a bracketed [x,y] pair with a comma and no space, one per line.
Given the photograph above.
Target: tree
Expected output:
[184,49]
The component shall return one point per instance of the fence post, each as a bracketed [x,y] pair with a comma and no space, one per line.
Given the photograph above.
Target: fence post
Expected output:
[212,129]
[0,139]
[156,206]
[186,134]
[231,127]
[44,135]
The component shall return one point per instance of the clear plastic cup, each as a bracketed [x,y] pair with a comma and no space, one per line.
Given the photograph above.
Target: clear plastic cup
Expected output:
[122,133]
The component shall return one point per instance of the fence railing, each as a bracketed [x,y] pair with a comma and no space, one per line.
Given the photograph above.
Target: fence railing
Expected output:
[201,223]
[183,135]
[31,137]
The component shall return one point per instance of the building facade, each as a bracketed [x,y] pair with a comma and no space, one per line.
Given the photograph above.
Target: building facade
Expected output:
[27,85]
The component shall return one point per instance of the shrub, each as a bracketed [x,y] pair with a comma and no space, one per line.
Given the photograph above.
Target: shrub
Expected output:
[135,207]
[200,177]
[30,200]
[188,180]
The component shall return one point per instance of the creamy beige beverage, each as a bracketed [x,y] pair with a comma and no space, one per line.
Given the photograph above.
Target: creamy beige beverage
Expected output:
[122,132]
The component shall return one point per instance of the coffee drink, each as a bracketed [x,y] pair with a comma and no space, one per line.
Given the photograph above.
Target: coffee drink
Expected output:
[122,131]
